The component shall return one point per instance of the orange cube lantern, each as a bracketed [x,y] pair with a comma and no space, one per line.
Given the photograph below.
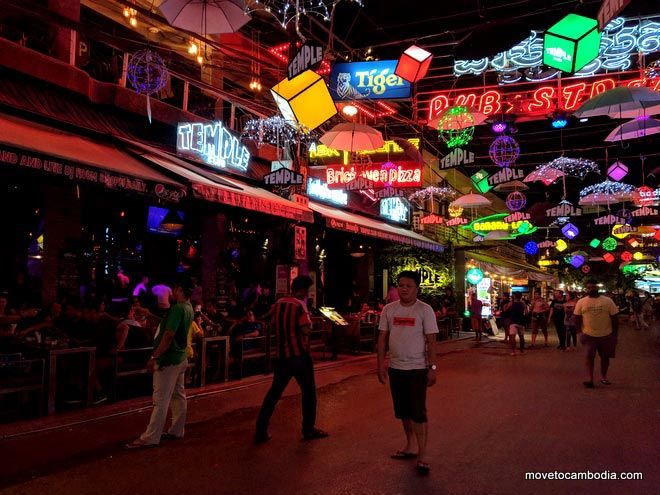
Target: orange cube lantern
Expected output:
[413,64]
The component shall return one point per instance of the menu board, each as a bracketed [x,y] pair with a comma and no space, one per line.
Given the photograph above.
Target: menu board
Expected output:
[483,294]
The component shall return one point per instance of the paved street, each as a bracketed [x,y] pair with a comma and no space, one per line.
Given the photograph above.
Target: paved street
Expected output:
[493,417]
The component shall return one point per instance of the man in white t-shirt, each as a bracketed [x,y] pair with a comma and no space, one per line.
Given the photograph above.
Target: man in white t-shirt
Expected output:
[595,316]
[163,295]
[409,327]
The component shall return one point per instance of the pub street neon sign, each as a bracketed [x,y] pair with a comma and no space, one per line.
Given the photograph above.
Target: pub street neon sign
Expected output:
[214,143]
[620,43]
[482,226]
[529,101]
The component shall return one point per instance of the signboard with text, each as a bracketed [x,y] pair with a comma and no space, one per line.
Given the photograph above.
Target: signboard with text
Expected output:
[308,57]
[379,175]
[213,143]
[374,80]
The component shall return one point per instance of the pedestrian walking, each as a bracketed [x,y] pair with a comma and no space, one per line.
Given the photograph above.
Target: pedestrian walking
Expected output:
[292,326]
[168,364]
[517,312]
[596,318]
[476,321]
[557,316]
[539,317]
[569,321]
[409,327]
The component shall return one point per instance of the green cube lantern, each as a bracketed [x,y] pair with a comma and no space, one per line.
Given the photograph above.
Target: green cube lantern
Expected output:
[480,181]
[572,43]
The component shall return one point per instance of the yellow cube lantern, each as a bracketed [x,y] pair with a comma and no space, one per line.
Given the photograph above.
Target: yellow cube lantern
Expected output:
[305,99]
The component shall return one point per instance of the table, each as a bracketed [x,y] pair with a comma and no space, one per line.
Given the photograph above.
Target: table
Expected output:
[212,340]
[52,355]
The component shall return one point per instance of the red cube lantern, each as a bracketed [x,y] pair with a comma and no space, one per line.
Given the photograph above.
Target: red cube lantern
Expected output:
[626,256]
[657,235]
[413,64]
[608,257]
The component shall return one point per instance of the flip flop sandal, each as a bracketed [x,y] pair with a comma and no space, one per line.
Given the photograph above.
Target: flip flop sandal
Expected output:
[422,468]
[605,381]
[402,455]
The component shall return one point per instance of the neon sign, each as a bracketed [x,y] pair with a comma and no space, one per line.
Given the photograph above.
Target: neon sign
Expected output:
[482,226]
[403,174]
[432,219]
[214,143]
[620,42]
[319,190]
[321,151]
[530,101]
[371,80]
[395,209]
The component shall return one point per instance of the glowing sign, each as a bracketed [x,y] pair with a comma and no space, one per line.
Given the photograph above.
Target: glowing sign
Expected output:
[395,209]
[402,174]
[215,144]
[571,43]
[474,276]
[319,190]
[620,42]
[432,219]
[530,101]
[321,151]
[371,80]
[490,223]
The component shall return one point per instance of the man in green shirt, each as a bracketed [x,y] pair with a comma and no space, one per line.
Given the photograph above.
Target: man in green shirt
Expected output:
[168,364]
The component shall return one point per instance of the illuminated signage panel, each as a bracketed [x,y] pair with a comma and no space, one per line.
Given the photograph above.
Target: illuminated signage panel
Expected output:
[482,226]
[319,190]
[369,80]
[213,143]
[380,175]
[395,209]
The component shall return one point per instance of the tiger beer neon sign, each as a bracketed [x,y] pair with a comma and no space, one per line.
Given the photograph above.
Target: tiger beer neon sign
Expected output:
[530,101]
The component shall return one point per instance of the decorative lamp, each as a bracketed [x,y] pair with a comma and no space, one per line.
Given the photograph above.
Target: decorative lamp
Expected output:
[594,243]
[638,255]
[617,171]
[516,201]
[570,231]
[480,181]
[455,211]
[656,236]
[504,151]
[305,99]
[474,276]
[559,121]
[625,215]
[499,127]
[585,269]
[609,244]
[571,44]
[456,126]
[413,64]
[561,245]
[633,242]
[608,257]
[531,248]
[626,256]
[616,231]
[577,260]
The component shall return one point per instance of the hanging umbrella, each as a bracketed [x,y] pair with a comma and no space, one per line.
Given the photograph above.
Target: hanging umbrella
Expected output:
[634,129]
[353,137]
[409,150]
[547,176]
[205,16]
[570,167]
[471,201]
[478,118]
[621,103]
[514,185]
[605,193]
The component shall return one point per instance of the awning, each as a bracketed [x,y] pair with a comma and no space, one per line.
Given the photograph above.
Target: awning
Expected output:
[218,188]
[510,268]
[26,145]
[358,224]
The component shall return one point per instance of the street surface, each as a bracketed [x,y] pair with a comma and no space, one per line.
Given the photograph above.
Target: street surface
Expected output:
[493,418]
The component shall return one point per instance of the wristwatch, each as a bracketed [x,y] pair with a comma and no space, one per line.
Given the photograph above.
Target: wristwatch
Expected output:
[433,367]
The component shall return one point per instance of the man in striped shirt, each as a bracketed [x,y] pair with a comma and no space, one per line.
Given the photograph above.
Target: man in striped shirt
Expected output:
[292,325]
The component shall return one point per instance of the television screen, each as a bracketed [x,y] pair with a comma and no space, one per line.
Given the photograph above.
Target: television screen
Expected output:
[155,219]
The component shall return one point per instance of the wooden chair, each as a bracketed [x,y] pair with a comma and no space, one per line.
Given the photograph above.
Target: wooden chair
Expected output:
[20,377]
[318,335]
[367,335]
[253,349]
[130,363]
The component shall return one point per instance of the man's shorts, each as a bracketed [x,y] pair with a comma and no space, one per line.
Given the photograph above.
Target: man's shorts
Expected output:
[514,329]
[604,346]
[409,393]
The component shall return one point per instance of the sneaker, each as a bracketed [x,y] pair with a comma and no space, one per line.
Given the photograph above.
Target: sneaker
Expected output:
[315,434]
[99,398]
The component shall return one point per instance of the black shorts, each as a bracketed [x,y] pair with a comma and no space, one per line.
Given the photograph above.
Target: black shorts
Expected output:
[409,393]
[604,346]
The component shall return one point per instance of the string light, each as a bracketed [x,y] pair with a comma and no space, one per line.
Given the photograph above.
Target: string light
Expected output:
[285,10]
[193,48]
[443,193]
[276,130]
[608,189]
[255,85]
[574,167]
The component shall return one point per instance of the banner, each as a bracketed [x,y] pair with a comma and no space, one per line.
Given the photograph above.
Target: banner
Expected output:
[369,80]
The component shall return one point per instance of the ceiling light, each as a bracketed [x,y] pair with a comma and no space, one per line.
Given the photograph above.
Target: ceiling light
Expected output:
[499,127]
[133,21]
[192,49]
[349,110]
[559,120]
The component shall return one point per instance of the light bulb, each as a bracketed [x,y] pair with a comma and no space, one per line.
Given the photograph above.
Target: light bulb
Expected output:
[133,21]
[200,59]
[127,12]
[192,49]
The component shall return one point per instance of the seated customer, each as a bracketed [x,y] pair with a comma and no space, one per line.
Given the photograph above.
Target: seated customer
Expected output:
[246,327]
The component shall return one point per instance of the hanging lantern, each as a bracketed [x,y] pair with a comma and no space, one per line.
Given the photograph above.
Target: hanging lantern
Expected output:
[147,74]
[305,99]
[455,211]
[504,151]
[480,181]
[626,256]
[656,236]
[413,64]
[516,201]
[594,243]
[638,256]
[577,260]
[570,231]
[633,242]
[617,171]
[625,215]
[609,244]
[608,257]
[474,276]
[456,126]
[561,245]
[585,269]
[571,43]
[531,248]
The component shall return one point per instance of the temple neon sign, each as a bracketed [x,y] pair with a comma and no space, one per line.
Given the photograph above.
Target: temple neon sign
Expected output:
[530,101]
[482,226]
[620,43]
[214,143]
